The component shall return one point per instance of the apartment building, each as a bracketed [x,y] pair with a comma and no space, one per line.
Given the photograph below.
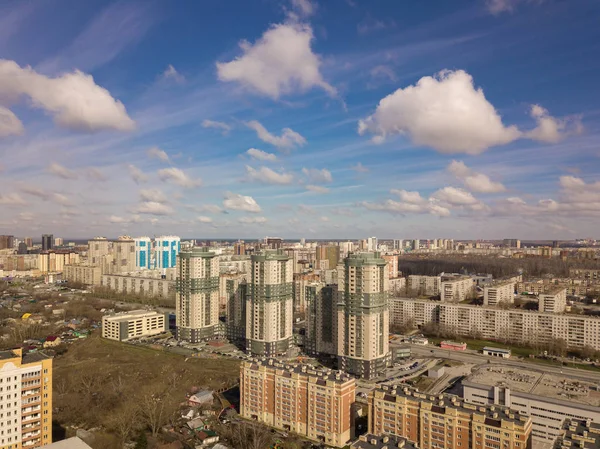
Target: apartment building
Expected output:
[301,280]
[455,288]
[54,261]
[123,251]
[363,315]
[98,247]
[269,308]
[444,421]
[166,248]
[392,265]
[548,398]
[234,264]
[134,324]
[235,290]
[84,274]
[499,293]
[553,301]
[147,283]
[424,285]
[327,257]
[321,319]
[25,399]
[579,434]
[370,441]
[143,253]
[516,325]
[315,404]
[197,295]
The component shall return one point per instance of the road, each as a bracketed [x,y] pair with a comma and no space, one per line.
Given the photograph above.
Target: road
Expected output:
[478,359]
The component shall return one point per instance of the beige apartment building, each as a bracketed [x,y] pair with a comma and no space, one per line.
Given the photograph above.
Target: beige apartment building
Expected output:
[98,247]
[516,325]
[455,288]
[445,422]
[548,398]
[123,251]
[363,315]
[135,324]
[553,301]
[269,308]
[301,280]
[321,319]
[197,295]
[424,285]
[55,261]
[148,283]
[579,434]
[315,404]
[392,265]
[499,293]
[84,274]
[25,399]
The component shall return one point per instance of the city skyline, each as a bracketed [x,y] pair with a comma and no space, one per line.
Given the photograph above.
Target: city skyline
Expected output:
[305,118]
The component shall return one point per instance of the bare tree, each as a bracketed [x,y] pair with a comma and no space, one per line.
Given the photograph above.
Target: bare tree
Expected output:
[125,420]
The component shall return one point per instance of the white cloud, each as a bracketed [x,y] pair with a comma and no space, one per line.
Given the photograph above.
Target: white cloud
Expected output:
[61,199]
[261,155]
[177,176]
[10,125]
[317,189]
[360,168]
[305,8]
[95,174]
[281,62]
[409,197]
[252,220]
[155,195]
[210,208]
[224,127]
[572,182]
[157,153]
[235,201]
[550,129]
[171,73]
[265,175]
[11,199]
[61,171]
[444,112]
[455,196]
[136,174]
[153,208]
[402,208]
[73,99]
[475,182]
[203,219]
[288,140]
[118,220]
[383,71]
[315,175]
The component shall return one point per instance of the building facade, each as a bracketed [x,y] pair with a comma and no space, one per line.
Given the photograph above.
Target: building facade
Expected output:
[135,324]
[166,249]
[123,250]
[84,274]
[235,291]
[143,253]
[456,289]
[26,399]
[363,315]
[424,285]
[553,301]
[197,295]
[47,242]
[54,261]
[299,289]
[500,293]
[269,306]
[152,286]
[321,319]
[315,404]
[327,257]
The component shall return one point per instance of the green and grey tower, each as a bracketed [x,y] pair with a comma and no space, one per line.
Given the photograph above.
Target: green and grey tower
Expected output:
[363,315]
[269,309]
[197,295]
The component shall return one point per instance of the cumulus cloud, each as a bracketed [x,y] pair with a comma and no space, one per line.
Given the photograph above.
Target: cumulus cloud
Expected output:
[224,127]
[316,176]
[455,196]
[11,199]
[157,153]
[265,175]
[61,171]
[203,219]
[136,174]
[172,74]
[475,182]
[445,112]
[10,125]
[155,195]
[235,201]
[252,220]
[261,155]
[550,129]
[73,99]
[281,62]
[402,208]
[177,176]
[409,197]
[153,208]
[288,140]
[304,8]
[317,189]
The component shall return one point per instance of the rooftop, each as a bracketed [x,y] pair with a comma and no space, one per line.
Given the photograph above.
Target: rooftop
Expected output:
[298,368]
[69,443]
[33,357]
[579,434]
[538,383]
[5,355]
[126,316]
[370,441]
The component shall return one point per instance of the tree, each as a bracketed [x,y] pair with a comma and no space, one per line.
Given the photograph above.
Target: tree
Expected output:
[142,441]
[157,407]
[125,420]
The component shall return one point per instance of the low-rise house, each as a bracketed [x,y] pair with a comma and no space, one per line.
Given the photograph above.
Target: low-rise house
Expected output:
[208,437]
[52,341]
[202,397]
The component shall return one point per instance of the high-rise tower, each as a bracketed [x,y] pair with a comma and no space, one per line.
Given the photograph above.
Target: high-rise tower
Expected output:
[363,315]
[197,295]
[269,310]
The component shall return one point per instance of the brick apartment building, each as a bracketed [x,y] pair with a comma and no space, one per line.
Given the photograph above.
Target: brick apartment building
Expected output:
[298,398]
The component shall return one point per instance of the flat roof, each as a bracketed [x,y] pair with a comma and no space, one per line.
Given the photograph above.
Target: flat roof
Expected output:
[126,316]
[538,383]
[579,434]
[370,441]
[69,443]
[32,357]
[5,355]
[299,368]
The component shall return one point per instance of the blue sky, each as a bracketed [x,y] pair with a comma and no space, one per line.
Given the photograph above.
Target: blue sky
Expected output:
[300,118]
